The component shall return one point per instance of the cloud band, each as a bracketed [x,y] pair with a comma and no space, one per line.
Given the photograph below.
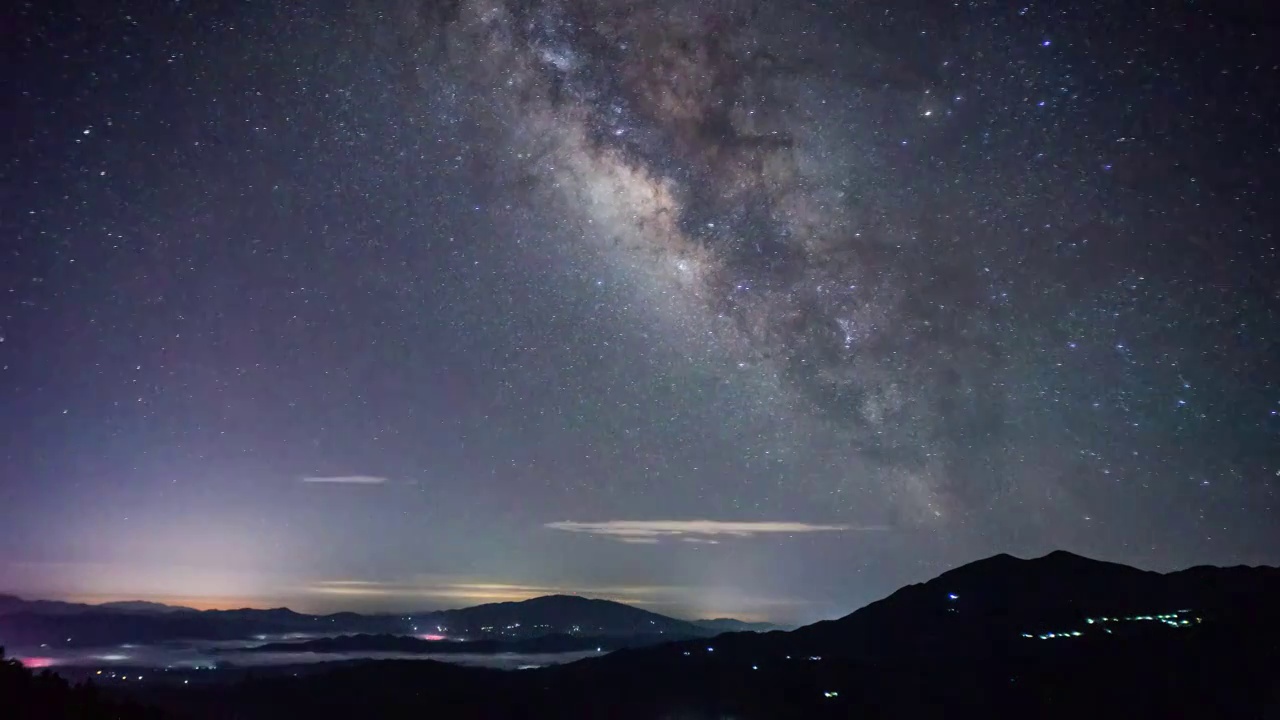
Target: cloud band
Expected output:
[648,532]
[347,480]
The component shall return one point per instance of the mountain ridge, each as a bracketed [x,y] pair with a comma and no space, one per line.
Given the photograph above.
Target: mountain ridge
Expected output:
[725,624]
[35,622]
[1057,636]
[1059,586]
[994,603]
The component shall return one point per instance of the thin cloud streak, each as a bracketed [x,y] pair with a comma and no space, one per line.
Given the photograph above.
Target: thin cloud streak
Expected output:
[649,532]
[347,480]
[474,592]
[430,585]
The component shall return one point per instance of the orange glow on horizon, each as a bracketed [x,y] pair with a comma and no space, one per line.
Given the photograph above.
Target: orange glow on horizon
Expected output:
[371,596]
[195,603]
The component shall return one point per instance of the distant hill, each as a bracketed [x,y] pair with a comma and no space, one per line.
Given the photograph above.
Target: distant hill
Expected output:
[143,606]
[568,614]
[13,604]
[724,625]
[26,623]
[30,623]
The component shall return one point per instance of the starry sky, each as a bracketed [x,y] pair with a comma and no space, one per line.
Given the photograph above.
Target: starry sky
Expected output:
[712,306]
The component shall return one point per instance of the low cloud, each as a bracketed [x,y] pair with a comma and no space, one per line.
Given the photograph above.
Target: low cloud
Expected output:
[649,532]
[347,480]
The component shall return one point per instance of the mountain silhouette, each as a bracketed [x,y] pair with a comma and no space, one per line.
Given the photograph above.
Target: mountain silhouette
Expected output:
[724,625]
[26,623]
[144,606]
[1058,636]
[559,614]
[988,607]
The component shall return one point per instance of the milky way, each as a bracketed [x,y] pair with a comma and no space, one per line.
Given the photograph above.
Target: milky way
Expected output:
[391,295]
[786,184]
[727,173]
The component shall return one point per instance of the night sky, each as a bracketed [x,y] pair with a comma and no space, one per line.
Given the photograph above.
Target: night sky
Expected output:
[717,307]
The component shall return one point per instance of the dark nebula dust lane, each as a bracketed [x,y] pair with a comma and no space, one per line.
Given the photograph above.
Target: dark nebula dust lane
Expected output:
[902,283]
[863,216]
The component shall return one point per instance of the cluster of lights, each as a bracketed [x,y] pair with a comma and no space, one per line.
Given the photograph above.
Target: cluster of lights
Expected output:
[1174,619]
[122,676]
[830,694]
[1052,636]
[1177,619]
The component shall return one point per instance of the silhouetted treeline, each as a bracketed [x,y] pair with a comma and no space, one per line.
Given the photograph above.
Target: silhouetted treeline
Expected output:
[27,695]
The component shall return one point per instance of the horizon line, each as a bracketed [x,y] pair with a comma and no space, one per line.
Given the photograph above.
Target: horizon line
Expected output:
[205,605]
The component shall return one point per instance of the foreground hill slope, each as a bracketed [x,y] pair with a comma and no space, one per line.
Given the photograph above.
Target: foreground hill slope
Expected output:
[988,604]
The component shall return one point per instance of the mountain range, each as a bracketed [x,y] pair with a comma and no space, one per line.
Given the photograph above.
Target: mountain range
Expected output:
[723,625]
[27,623]
[1058,636]
[992,604]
